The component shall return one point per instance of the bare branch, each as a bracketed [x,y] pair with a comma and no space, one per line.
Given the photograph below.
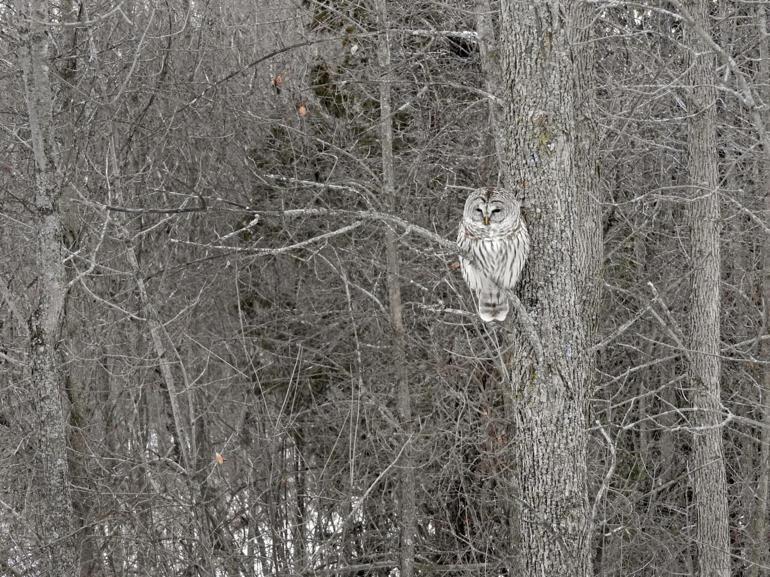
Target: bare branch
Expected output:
[607,476]
[281,250]
[14,307]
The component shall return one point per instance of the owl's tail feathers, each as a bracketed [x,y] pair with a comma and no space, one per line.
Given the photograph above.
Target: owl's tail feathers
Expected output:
[493,305]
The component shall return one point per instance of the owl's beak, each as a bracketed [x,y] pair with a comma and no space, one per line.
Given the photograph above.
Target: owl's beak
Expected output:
[485,220]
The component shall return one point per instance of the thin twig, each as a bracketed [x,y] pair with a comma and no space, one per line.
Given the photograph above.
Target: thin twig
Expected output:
[670,324]
[13,306]
[272,251]
[622,328]
[607,476]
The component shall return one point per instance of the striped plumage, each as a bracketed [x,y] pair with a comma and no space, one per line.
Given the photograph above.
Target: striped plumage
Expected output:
[495,236]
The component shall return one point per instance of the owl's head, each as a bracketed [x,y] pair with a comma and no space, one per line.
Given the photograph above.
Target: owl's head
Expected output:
[491,212]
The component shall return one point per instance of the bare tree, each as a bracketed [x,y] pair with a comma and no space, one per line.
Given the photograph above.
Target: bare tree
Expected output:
[760,556]
[708,469]
[270,365]
[545,65]
[51,508]
[407,509]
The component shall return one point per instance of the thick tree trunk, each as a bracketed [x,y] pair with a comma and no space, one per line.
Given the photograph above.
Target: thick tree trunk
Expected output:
[546,64]
[403,396]
[53,504]
[708,468]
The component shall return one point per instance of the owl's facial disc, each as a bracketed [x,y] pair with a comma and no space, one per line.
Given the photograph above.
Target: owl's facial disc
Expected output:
[478,212]
[495,212]
[489,213]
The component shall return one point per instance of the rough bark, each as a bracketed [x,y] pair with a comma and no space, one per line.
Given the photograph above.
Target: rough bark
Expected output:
[545,67]
[490,65]
[707,469]
[403,397]
[52,506]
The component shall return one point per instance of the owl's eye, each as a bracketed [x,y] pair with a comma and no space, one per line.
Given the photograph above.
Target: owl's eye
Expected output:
[494,210]
[479,210]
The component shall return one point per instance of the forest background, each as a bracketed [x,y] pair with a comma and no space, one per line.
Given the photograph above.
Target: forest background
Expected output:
[234,339]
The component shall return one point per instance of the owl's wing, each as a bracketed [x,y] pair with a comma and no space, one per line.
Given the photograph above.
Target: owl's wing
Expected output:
[514,251]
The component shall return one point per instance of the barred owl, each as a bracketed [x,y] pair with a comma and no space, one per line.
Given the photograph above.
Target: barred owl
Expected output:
[494,234]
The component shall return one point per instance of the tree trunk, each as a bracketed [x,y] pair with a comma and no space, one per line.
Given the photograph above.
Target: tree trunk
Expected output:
[759,548]
[546,64]
[403,397]
[708,469]
[490,66]
[53,504]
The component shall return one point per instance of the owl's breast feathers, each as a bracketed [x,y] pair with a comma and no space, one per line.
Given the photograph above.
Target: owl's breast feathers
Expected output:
[499,258]
[481,253]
